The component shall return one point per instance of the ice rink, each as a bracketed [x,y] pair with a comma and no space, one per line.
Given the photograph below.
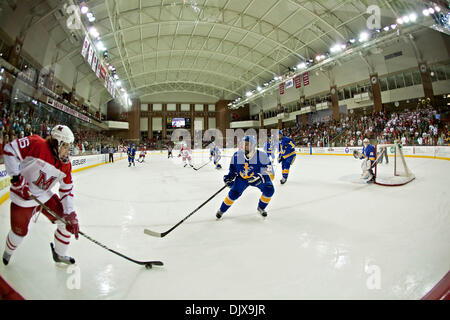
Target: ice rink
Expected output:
[327,235]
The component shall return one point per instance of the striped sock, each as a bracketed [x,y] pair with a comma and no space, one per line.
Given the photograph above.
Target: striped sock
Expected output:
[62,239]
[12,242]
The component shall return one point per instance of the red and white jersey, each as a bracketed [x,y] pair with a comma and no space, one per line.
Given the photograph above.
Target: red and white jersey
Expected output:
[32,158]
[143,153]
[185,152]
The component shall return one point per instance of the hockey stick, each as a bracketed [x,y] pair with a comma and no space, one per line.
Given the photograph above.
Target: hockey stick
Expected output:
[196,169]
[147,264]
[162,235]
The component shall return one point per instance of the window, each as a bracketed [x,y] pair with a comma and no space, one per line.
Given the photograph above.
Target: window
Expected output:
[341,95]
[416,77]
[352,92]
[400,81]
[383,84]
[441,73]
[408,79]
[347,93]
[447,71]
[391,83]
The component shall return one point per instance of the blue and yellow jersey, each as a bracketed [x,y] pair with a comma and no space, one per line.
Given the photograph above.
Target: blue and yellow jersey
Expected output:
[131,152]
[287,148]
[268,148]
[246,169]
[368,153]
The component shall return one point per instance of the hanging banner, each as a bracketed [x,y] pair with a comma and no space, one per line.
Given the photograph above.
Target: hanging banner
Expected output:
[85,48]
[103,72]
[298,82]
[99,68]
[306,79]
[289,84]
[282,88]
[94,63]
[90,54]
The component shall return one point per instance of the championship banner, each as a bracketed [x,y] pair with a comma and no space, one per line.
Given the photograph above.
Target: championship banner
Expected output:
[90,54]
[58,105]
[85,48]
[282,88]
[298,82]
[99,68]
[106,80]
[289,84]
[103,72]
[94,62]
[306,79]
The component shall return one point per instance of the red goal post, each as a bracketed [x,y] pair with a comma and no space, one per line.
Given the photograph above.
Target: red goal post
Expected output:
[391,168]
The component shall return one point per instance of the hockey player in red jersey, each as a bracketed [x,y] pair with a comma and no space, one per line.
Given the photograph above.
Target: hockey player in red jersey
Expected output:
[142,155]
[36,165]
[185,153]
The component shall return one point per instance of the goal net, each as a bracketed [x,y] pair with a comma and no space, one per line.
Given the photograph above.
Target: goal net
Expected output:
[391,168]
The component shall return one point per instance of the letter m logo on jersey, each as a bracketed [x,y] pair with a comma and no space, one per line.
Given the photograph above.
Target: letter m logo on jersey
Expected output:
[42,182]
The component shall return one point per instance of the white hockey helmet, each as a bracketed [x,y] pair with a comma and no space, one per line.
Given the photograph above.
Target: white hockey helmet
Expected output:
[62,134]
[366,141]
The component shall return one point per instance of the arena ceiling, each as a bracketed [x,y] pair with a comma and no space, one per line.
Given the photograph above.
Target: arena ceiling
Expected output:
[218,48]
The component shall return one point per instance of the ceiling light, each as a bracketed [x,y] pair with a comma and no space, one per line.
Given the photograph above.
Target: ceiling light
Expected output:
[406,19]
[400,21]
[100,46]
[259,89]
[437,9]
[301,65]
[413,17]
[394,26]
[84,9]
[425,12]
[386,28]
[352,40]
[93,32]
[364,36]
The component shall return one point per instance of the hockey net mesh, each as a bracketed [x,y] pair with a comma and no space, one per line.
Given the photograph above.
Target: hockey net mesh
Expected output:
[391,170]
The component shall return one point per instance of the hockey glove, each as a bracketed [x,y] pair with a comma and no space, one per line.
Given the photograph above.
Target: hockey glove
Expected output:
[256,180]
[20,187]
[72,224]
[229,180]
[356,154]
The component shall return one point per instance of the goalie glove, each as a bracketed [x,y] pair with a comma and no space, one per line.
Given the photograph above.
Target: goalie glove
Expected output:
[256,180]
[356,154]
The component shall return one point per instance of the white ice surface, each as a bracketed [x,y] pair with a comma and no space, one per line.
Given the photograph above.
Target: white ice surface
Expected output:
[325,234]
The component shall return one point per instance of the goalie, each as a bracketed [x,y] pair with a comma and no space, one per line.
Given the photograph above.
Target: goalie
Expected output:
[368,157]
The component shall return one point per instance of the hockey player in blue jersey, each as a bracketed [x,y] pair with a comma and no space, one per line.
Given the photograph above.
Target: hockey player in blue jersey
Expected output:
[217,156]
[269,149]
[131,152]
[368,155]
[286,155]
[248,167]
[212,146]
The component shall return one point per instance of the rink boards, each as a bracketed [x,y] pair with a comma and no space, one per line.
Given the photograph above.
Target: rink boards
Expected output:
[79,163]
[85,162]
